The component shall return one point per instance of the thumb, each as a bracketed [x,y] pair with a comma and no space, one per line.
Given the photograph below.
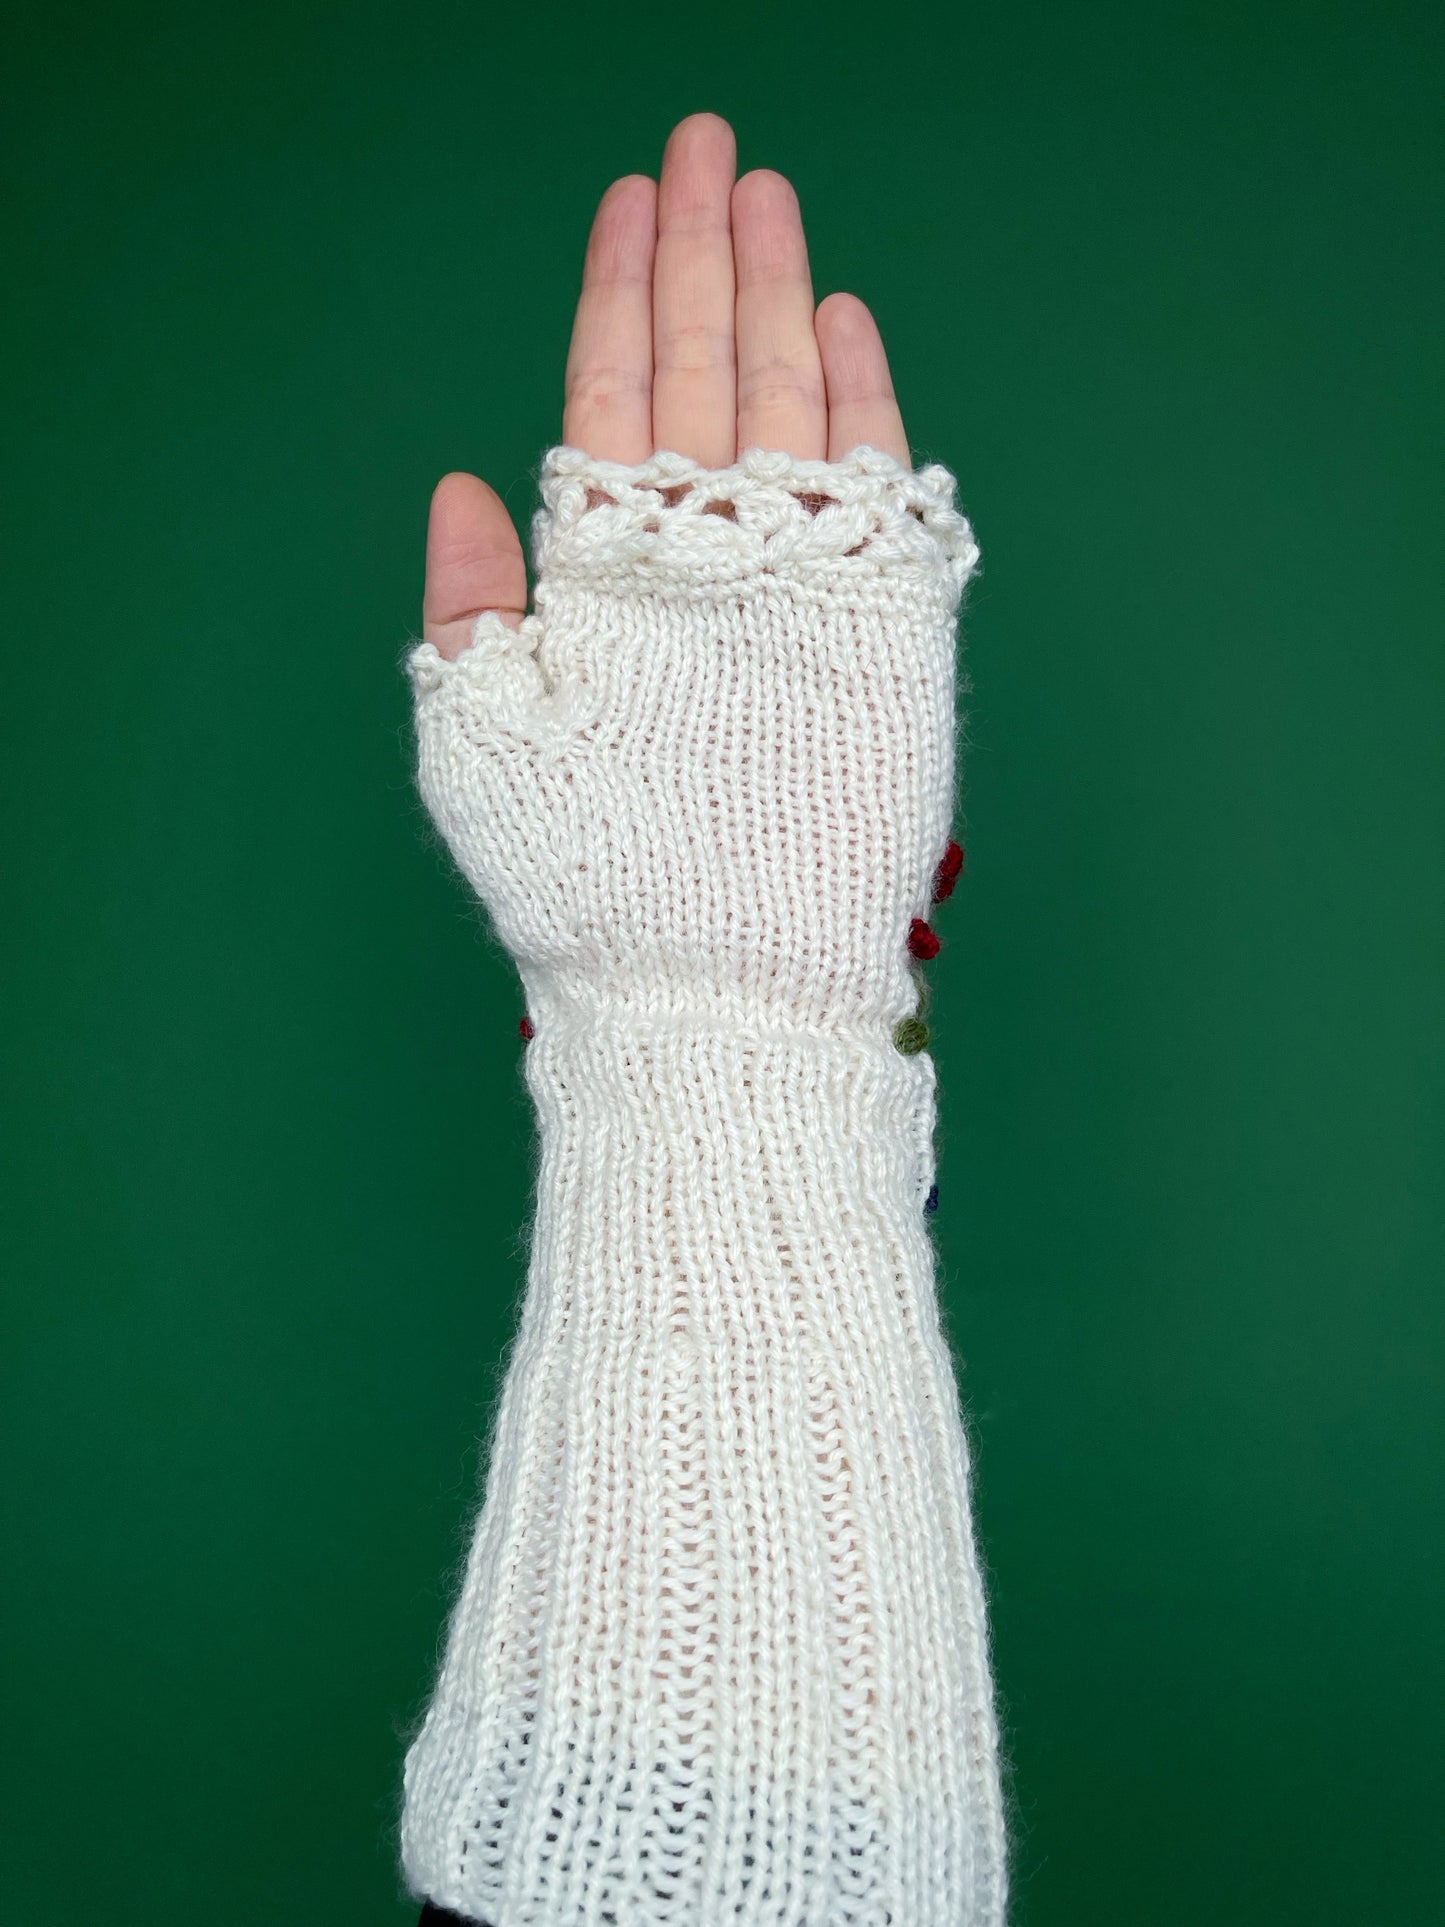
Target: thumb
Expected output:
[474,562]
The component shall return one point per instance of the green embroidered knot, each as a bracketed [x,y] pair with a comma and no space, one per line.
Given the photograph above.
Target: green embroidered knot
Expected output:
[910,1036]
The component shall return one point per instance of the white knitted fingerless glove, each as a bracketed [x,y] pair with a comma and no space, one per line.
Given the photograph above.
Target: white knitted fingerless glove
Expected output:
[720,1657]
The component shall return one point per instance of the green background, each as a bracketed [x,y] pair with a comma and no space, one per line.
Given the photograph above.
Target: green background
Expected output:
[1162,283]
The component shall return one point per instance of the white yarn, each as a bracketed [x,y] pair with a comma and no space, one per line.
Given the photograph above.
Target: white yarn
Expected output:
[720,1656]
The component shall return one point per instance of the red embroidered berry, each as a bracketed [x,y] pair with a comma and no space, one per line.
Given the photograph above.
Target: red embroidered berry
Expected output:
[922,941]
[525,1030]
[949,871]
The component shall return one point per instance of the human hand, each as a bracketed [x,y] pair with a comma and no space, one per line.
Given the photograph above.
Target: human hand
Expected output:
[696,333]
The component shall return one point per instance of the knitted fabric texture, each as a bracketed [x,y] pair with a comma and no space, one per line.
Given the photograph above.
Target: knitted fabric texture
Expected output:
[720,1655]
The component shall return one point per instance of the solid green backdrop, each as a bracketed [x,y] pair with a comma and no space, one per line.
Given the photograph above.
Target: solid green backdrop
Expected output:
[1162,283]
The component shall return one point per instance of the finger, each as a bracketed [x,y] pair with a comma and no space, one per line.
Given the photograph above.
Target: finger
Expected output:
[861,404]
[608,407]
[781,399]
[473,562]
[694,385]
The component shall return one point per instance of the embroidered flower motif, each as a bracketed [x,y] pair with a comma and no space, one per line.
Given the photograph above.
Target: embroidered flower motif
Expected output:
[922,941]
[949,871]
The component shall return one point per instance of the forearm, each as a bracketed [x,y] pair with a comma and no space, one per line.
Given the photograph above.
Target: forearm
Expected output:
[730,1499]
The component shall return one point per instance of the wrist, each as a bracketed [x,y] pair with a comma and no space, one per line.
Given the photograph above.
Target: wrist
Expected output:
[749,1001]
[709,1150]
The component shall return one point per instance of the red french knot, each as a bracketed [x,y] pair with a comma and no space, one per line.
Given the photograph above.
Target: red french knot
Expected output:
[922,941]
[948,873]
[525,1030]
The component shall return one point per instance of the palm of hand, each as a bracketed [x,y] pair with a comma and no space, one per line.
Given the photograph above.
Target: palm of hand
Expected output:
[695,331]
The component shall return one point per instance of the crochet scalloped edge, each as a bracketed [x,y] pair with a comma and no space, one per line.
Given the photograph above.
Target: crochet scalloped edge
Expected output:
[672,514]
[661,524]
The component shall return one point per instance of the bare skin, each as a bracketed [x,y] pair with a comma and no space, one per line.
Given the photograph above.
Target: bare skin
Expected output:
[696,332]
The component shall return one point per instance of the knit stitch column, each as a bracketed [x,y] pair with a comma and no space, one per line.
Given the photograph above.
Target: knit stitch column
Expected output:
[720,1653]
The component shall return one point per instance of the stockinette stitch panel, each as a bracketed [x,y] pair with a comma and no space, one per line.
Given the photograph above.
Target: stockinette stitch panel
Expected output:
[720,1653]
